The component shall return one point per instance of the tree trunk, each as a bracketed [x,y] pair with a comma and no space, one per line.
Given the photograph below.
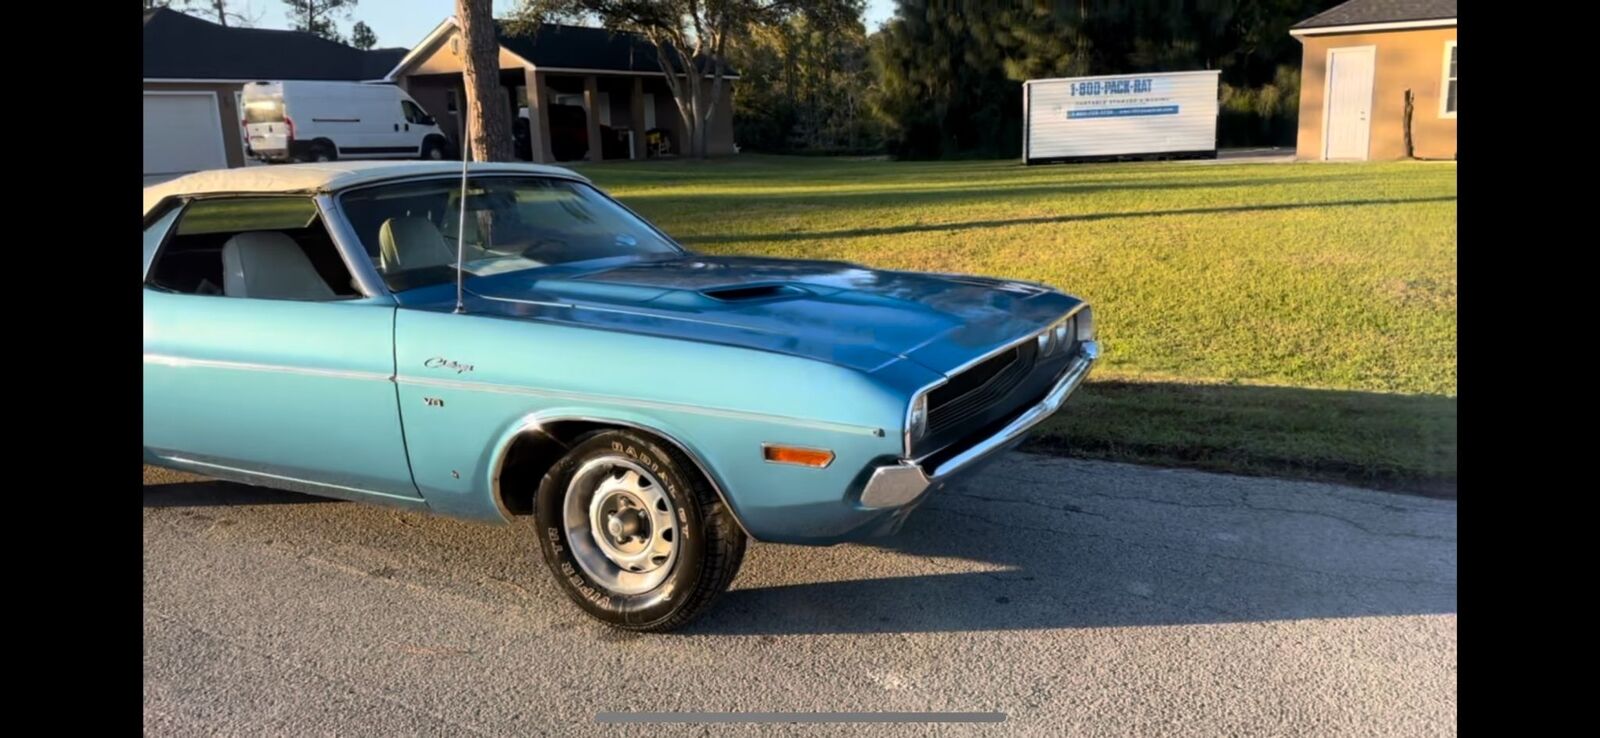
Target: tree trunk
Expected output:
[689,104]
[682,97]
[696,98]
[704,131]
[700,106]
[1411,152]
[486,99]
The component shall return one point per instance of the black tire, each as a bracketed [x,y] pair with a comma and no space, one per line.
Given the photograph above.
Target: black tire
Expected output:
[321,151]
[708,553]
[433,149]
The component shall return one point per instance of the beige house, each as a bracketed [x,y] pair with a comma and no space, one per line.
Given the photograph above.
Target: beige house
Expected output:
[1378,81]
[587,93]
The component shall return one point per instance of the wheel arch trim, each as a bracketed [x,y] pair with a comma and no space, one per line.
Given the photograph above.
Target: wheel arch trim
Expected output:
[535,422]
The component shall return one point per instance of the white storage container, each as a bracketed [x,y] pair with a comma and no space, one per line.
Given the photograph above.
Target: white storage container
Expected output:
[1166,115]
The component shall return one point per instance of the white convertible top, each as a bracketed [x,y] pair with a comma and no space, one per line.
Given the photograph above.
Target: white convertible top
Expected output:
[326,177]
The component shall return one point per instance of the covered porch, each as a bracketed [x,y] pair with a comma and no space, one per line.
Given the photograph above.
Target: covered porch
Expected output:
[573,117]
[592,96]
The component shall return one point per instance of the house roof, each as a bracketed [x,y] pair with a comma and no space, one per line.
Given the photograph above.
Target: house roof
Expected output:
[380,61]
[1379,12]
[579,47]
[326,177]
[179,46]
[557,46]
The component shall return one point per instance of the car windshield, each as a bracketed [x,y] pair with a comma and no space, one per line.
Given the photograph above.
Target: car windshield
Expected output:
[411,229]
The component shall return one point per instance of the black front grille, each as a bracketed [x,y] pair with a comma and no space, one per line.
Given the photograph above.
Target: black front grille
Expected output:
[975,390]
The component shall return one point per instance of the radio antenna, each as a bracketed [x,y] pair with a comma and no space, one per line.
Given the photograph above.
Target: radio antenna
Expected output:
[461,228]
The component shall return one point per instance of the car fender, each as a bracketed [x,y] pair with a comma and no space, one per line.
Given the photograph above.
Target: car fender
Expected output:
[656,426]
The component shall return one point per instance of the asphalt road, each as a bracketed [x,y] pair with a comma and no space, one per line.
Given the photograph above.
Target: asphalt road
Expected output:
[1078,598]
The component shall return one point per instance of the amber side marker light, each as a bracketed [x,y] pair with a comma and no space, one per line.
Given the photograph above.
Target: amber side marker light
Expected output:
[814,457]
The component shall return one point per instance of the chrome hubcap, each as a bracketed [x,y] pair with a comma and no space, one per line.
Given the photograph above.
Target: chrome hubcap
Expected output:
[621,525]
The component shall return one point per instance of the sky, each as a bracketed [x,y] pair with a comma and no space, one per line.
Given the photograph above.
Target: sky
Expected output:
[405,22]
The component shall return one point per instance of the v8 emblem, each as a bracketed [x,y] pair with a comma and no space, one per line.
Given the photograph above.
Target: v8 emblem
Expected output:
[434,401]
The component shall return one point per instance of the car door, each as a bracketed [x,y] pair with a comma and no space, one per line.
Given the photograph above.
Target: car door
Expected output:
[415,124]
[262,360]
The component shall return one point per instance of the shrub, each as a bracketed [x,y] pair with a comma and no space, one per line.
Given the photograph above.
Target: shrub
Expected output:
[1261,116]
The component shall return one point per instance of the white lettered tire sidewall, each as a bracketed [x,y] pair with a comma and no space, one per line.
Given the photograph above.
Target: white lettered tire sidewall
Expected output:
[676,599]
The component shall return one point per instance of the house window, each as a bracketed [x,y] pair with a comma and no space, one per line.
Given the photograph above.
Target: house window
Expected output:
[1447,95]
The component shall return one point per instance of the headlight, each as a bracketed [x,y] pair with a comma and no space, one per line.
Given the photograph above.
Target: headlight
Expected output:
[917,420]
[1057,336]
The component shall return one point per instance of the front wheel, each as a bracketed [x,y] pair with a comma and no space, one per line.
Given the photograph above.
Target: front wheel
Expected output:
[433,149]
[634,533]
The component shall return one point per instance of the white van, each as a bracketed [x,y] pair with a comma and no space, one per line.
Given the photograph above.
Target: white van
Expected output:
[324,121]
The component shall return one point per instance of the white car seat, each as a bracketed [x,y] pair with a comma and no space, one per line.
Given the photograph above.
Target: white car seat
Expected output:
[269,265]
[412,242]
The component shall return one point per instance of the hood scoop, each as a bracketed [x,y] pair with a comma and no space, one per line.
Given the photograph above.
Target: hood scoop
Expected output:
[752,292]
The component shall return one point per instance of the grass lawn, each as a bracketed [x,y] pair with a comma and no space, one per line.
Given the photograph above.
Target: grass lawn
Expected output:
[1282,319]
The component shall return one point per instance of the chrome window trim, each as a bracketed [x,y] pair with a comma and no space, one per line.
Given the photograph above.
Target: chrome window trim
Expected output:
[167,221]
[454,176]
[350,249]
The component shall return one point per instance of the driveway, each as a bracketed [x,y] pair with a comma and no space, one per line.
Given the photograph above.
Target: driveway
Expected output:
[1075,597]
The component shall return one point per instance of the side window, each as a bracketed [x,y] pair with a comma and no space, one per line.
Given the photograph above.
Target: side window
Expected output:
[413,113]
[1447,100]
[271,248]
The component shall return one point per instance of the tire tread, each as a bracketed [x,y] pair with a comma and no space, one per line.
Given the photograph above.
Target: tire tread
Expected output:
[725,540]
[725,547]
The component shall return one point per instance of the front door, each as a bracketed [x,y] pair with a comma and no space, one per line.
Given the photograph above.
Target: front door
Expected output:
[1349,104]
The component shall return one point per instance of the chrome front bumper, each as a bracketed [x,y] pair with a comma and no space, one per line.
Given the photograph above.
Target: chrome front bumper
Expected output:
[898,484]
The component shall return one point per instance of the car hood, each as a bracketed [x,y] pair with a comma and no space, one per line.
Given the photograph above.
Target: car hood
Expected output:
[838,312]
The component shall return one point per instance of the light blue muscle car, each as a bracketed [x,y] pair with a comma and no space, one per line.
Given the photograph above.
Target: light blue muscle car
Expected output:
[646,409]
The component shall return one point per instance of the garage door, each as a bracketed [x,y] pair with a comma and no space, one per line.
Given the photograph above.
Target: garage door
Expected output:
[182,133]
